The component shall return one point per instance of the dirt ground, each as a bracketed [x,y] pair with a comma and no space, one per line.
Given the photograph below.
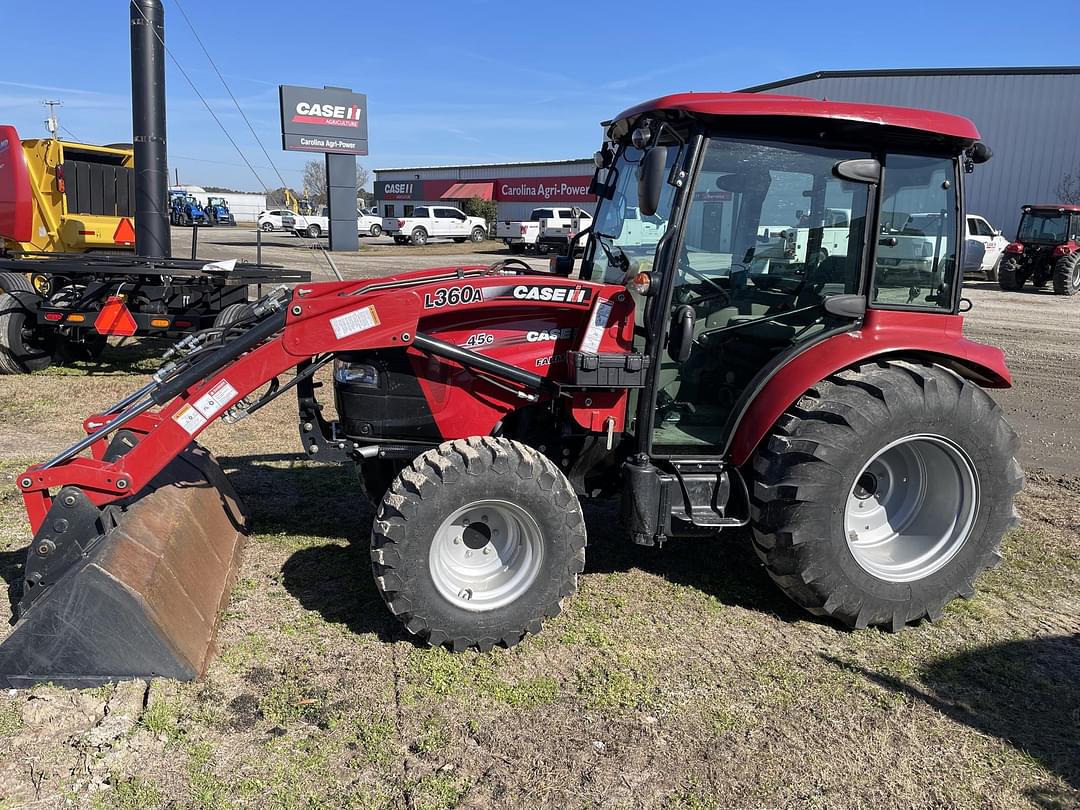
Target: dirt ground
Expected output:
[675,678]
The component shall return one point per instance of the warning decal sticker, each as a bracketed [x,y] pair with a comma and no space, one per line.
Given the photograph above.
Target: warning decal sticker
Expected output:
[189,419]
[215,399]
[356,321]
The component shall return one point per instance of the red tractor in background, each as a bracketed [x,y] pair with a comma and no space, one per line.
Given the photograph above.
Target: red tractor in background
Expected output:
[690,369]
[1047,248]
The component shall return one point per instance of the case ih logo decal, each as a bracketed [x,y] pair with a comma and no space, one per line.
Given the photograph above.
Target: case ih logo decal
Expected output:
[327,115]
[545,292]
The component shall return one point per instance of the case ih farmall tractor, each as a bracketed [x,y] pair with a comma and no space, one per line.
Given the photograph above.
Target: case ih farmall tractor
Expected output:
[1047,248]
[842,417]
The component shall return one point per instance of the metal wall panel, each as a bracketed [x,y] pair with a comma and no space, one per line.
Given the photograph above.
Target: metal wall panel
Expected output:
[1030,121]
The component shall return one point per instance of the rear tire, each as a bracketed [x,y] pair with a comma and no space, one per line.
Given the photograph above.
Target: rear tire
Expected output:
[15,282]
[314,231]
[266,227]
[839,525]
[419,236]
[503,506]
[1067,274]
[1011,276]
[232,313]
[23,346]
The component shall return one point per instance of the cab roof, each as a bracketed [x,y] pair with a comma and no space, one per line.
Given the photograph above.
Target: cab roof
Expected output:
[754,105]
[1074,209]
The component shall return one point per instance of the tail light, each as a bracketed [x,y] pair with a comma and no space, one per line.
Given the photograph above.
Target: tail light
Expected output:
[401,223]
[523,229]
[1064,250]
[60,185]
[1014,247]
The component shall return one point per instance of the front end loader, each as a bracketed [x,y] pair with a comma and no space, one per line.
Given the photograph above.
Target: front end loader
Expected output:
[688,369]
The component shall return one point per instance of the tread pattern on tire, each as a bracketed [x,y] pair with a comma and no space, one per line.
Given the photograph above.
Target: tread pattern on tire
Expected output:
[232,313]
[10,363]
[15,282]
[1065,269]
[796,469]
[443,466]
[1008,274]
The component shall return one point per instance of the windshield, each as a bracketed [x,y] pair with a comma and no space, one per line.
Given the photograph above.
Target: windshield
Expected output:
[1048,227]
[620,231]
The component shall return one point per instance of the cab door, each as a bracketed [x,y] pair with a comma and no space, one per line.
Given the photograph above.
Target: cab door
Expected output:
[738,306]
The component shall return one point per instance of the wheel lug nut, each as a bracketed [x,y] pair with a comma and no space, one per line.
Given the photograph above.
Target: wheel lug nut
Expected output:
[468,553]
[484,518]
[465,594]
[457,541]
[487,549]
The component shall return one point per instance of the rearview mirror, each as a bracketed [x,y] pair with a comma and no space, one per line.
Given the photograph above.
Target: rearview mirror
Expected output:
[651,179]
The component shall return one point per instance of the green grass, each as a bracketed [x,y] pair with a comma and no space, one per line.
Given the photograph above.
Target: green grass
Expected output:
[129,794]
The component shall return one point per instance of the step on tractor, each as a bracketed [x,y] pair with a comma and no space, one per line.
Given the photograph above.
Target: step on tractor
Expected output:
[1047,249]
[840,416]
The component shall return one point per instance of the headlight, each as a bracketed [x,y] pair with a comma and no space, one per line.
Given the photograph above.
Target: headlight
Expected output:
[356,374]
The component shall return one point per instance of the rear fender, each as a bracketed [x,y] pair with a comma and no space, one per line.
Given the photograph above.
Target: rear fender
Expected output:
[884,335]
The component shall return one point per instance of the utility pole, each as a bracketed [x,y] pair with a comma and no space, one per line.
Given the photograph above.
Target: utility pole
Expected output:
[52,123]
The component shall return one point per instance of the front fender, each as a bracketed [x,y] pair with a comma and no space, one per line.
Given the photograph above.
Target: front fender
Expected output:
[884,334]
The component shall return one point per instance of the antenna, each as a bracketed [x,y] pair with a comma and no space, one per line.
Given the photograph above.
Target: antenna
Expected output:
[52,123]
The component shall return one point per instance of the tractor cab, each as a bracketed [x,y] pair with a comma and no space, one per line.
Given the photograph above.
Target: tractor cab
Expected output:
[773,230]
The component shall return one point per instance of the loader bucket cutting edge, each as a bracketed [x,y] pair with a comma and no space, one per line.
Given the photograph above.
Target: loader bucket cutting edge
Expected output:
[143,599]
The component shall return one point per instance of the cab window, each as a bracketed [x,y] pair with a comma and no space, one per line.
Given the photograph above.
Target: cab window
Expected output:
[420,212]
[915,266]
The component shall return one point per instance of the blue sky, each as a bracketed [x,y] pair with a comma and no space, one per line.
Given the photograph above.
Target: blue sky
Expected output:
[470,81]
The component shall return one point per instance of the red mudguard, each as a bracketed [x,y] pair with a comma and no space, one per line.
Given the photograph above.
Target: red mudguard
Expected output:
[884,333]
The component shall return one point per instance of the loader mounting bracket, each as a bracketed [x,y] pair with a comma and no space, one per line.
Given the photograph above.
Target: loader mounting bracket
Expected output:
[71,529]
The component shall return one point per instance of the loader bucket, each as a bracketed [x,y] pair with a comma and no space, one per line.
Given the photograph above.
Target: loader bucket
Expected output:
[129,592]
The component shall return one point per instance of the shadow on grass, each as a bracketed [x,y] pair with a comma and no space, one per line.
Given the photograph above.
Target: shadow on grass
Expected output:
[309,503]
[124,356]
[1026,693]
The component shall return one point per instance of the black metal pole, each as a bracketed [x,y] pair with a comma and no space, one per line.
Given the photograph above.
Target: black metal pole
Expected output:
[152,237]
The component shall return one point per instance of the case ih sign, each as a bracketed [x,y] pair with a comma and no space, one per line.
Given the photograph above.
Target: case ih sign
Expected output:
[327,119]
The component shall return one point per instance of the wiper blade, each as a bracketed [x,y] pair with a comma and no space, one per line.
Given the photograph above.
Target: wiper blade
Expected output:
[621,261]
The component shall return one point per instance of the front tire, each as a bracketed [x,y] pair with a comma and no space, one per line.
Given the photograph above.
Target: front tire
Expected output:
[478,234]
[266,227]
[884,492]
[1067,274]
[1011,276]
[476,542]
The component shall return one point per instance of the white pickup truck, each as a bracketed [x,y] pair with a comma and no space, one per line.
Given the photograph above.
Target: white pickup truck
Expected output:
[435,221]
[521,235]
[557,230]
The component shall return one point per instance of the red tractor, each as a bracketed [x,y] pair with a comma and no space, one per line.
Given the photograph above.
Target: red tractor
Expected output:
[1047,248]
[708,380]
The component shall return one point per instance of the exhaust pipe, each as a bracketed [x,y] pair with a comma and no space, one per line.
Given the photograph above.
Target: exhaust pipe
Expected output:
[152,236]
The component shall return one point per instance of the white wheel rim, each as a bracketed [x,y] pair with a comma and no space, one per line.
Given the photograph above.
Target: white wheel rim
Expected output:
[485,555]
[912,508]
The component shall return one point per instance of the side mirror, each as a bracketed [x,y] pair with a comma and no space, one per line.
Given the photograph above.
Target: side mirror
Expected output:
[651,179]
[681,337]
[846,306]
[562,265]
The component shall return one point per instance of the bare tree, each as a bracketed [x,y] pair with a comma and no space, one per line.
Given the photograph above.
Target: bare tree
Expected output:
[1069,188]
[276,198]
[315,181]
[363,177]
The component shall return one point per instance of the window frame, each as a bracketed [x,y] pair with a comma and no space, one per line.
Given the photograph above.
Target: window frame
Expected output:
[959,222]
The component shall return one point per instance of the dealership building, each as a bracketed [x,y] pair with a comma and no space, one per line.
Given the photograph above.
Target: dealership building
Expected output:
[516,188]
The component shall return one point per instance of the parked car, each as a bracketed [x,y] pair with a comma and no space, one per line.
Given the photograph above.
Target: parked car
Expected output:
[994,244]
[271,220]
[368,223]
[313,225]
[564,224]
[428,221]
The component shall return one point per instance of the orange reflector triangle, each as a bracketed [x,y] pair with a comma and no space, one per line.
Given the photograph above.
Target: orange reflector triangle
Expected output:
[125,232]
[115,319]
